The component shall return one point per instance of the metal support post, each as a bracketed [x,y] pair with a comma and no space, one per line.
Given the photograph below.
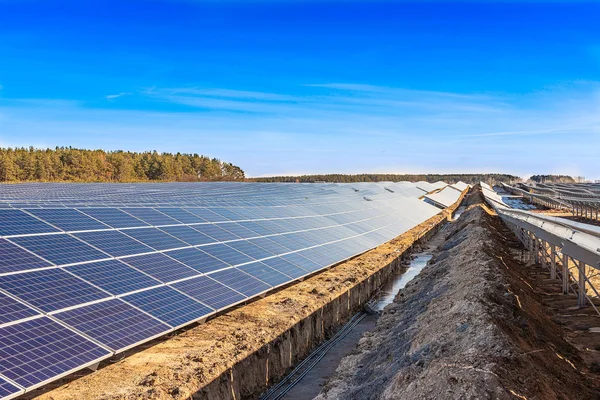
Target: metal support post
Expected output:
[565,274]
[552,262]
[582,299]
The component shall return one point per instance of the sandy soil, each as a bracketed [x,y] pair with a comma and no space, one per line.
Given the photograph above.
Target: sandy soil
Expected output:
[178,366]
[472,325]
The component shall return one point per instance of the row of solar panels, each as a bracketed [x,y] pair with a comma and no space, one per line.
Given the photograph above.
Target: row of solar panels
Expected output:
[77,286]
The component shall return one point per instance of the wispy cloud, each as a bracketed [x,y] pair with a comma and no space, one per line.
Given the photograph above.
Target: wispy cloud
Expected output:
[116,96]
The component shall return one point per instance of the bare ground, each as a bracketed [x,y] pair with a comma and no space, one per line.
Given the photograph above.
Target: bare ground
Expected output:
[178,366]
[475,324]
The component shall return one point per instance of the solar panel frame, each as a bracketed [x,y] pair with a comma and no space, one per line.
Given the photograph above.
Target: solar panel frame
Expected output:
[114,323]
[60,249]
[68,219]
[16,222]
[169,306]
[15,259]
[113,276]
[160,267]
[210,292]
[40,350]
[114,243]
[50,289]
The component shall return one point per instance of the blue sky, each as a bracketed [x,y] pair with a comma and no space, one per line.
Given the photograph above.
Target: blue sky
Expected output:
[289,87]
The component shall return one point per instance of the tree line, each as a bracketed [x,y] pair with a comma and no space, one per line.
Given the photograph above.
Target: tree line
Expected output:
[552,179]
[344,178]
[66,164]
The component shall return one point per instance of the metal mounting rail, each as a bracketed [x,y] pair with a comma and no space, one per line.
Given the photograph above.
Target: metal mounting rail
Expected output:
[570,250]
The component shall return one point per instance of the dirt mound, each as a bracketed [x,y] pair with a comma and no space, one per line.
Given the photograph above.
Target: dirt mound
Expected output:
[468,326]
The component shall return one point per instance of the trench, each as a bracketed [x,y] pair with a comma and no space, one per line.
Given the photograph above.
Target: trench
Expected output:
[311,384]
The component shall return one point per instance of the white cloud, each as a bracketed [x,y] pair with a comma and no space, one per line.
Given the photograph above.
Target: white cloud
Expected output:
[116,96]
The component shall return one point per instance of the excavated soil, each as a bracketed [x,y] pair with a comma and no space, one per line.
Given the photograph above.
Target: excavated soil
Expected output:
[472,325]
[178,367]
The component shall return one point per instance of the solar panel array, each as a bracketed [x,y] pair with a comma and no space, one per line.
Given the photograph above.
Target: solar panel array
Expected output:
[90,270]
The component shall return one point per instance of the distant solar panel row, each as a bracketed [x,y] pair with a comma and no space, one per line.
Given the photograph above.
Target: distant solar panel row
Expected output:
[90,270]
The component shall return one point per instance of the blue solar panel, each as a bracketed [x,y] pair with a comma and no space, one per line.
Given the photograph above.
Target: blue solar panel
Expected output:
[270,245]
[50,289]
[113,276]
[113,323]
[114,217]
[302,262]
[264,273]
[151,216]
[240,281]
[114,243]
[227,254]
[13,258]
[209,292]
[169,305]
[287,242]
[188,235]
[38,350]
[181,215]
[285,267]
[156,238]
[68,219]
[256,227]
[250,249]
[216,232]
[11,310]
[228,214]
[238,230]
[16,222]
[60,249]
[160,267]
[197,259]
[8,389]
[206,214]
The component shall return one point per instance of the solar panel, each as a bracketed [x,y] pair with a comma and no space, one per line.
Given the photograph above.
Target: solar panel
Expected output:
[113,217]
[68,219]
[285,267]
[113,276]
[240,281]
[39,350]
[59,249]
[227,254]
[151,216]
[113,323]
[188,235]
[114,243]
[142,259]
[50,289]
[169,305]
[197,259]
[8,389]
[216,232]
[250,249]
[11,310]
[156,238]
[181,215]
[209,292]
[13,259]
[264,273]
[160,267]
[16,222]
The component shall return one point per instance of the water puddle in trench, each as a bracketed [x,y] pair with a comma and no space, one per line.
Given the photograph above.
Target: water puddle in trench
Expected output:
[391,288]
